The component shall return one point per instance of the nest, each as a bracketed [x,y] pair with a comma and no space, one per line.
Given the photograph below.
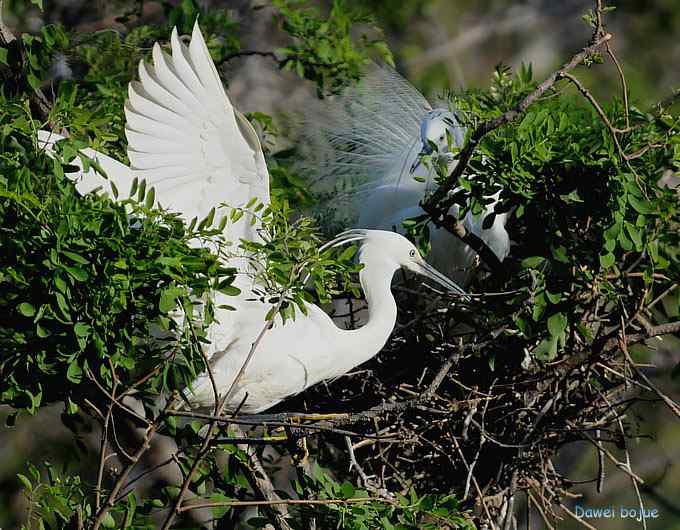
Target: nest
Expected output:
[454,405]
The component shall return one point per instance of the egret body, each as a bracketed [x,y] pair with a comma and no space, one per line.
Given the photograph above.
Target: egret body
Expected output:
[189,143]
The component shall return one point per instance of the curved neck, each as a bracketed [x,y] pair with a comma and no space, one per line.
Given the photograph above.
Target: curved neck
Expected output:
[365,342]
[376,280]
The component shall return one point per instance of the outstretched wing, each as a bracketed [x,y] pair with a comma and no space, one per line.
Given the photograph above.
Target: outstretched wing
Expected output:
[364,136]
[186,139]
[88,181]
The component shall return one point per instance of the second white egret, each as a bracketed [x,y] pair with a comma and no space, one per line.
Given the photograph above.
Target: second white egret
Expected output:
[365,155]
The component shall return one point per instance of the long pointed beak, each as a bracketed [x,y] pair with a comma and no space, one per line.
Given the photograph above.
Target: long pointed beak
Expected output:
[426,150]
[430,272]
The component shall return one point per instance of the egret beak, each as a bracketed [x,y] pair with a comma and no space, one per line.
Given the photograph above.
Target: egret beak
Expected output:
[426,150]
[425,269]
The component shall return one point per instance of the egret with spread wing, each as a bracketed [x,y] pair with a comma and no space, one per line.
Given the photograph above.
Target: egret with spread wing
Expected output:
[197,151]
[365,154]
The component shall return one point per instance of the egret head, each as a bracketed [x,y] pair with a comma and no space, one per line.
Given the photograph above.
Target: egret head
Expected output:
[435,129]
[395,251]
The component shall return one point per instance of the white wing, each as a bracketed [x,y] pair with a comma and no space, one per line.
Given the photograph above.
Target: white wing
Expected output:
[187,140]
[363,137]
[88,181]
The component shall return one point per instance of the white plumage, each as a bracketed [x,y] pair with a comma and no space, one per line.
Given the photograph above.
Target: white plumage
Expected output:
[189,143]
[364,151]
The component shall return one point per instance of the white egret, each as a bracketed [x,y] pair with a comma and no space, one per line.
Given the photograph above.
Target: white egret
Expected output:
[367,144]
[197,151]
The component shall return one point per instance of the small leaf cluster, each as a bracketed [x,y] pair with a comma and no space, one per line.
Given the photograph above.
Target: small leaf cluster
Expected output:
[290,256]
[57,501]
[405,512]
[324,50]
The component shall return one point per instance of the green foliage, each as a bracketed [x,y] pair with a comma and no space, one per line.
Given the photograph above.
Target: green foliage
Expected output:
[580,213]
[55,502]
[353,512]
[86,280]
[323,50]
[101,294]
[291,254]
[104,295]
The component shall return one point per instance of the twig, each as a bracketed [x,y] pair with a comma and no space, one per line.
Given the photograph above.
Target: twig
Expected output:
[102,448]
[540,510]
[668,100]
[262,484]
[576,517]
[609,455]
[366,481]
[657,330]
[286,502]
[150,432]
[630,468]
[256,420]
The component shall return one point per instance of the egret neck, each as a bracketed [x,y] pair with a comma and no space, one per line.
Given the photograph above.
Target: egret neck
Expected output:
[376,281]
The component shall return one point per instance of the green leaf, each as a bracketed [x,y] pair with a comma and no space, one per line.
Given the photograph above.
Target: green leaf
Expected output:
[640,205]
[41,331]
[133,186]
[150,198]
[131,509]
[141,192]
[168,299]
[557,324]
[26,309]
[75,257]
[81,329]
[546,350]
[108,521]
[635,235]
[532,262]
[347,490]
[3,56]
[26,483]
[74,372]
[553,298]
[607,260]
[77,273]
[229,290]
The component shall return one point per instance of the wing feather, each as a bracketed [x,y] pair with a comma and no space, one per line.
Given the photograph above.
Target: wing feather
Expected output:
[186,139]
[362,139]
[90,180]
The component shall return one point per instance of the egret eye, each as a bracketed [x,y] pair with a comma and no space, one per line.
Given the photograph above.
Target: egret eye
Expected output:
[441,138]
[412,253]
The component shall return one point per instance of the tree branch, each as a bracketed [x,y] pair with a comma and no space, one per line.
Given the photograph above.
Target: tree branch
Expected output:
[249,53]
[214,424]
